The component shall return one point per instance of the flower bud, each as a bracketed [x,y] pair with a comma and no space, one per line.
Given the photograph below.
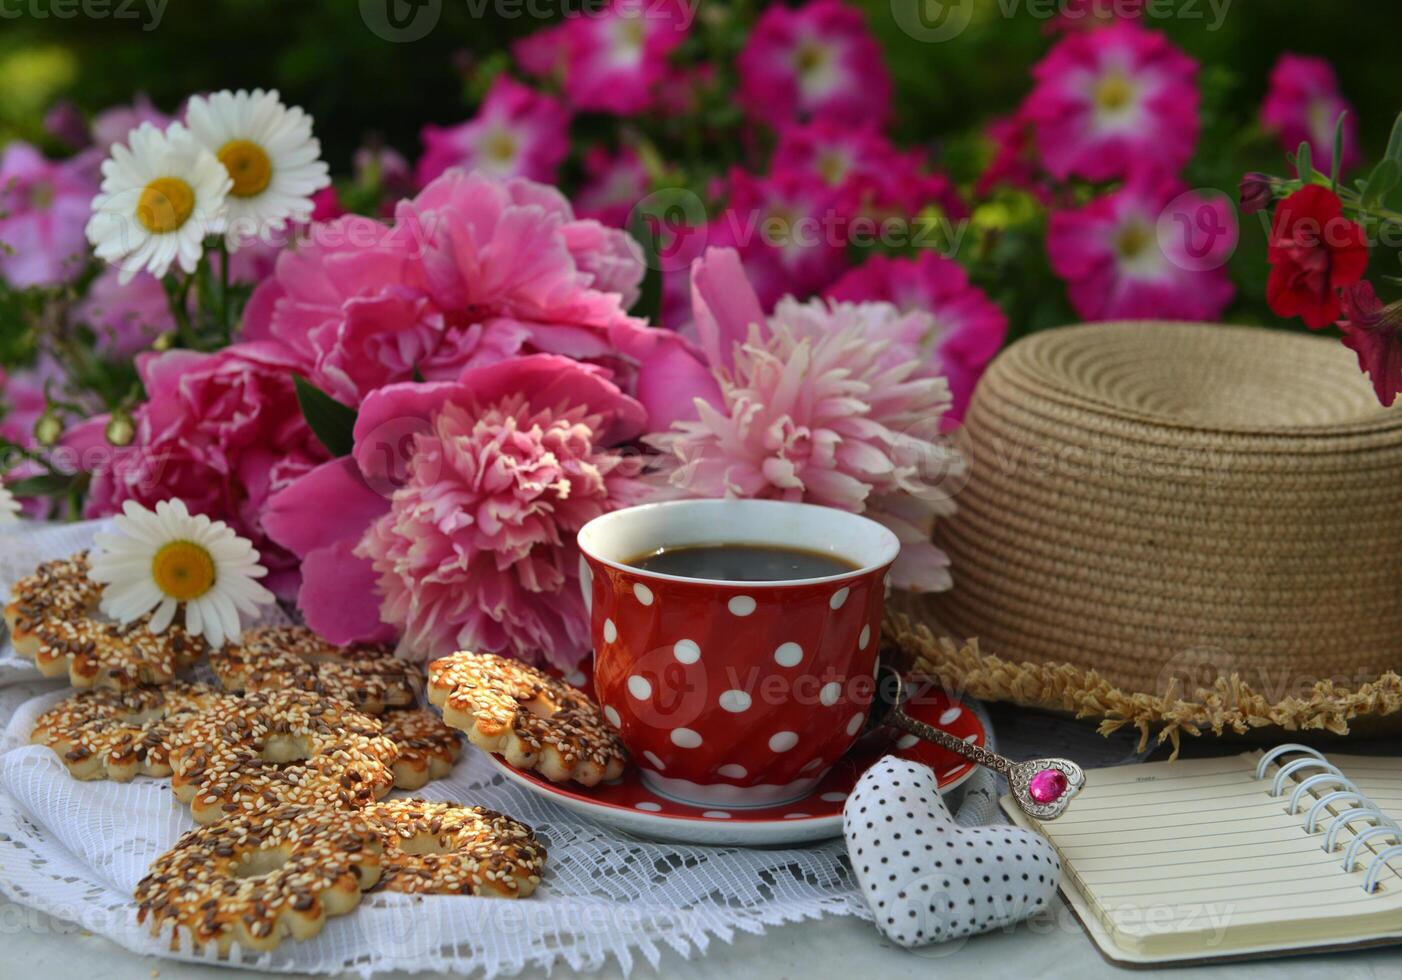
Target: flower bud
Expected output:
[1257,192]
[48,429]
[120,430]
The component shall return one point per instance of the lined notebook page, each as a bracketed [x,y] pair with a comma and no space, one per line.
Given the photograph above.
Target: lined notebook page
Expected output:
[1199,848]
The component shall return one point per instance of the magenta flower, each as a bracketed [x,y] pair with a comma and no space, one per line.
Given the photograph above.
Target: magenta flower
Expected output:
[1014,162]
[832,151]
[223,432]
[114,125]
[43,208]
[126,317]
[460,508]
[1111,99]
[1122,260]
[1303,103]
[815,60]
[517,132]
[965,328]
[820,402]
[474,271]
[615,183]
[613,59]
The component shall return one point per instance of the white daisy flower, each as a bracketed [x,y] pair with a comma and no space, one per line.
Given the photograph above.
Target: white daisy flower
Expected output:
[162,192]
[166,559]
[9,506]
[270,153]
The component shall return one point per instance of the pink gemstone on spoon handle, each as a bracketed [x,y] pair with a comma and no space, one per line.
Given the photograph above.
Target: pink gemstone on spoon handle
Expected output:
[1047,785]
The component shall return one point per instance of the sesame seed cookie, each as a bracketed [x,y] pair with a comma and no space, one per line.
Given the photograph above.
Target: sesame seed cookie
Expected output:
[277,747]
[108,734]
[53,621]
[370,677]
[451,849]
[531,719]
[254,879]
[427,747]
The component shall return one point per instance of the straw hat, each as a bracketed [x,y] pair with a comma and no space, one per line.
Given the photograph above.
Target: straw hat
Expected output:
[1176,526]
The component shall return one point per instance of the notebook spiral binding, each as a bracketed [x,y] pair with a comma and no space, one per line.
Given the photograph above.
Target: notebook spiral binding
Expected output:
[1344,792]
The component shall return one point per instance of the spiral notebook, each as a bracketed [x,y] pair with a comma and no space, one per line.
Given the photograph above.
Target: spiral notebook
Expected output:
[1252,855]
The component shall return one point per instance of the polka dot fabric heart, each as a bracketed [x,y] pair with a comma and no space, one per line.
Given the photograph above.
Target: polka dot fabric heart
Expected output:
[927,879]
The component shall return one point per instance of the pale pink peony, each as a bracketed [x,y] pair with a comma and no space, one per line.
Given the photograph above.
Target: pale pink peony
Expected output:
[813,61]
[44,206]
[1121,260]
[1303,104]
[814,407]
[517,132]
[125,317]
[612,59]
[479,486]
[223,432]
[1111,100]
[615,183]
[965,330]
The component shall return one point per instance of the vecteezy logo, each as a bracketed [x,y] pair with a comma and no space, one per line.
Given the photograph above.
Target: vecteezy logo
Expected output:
[932,21]
[400,21]
[671,225]
[1198,229]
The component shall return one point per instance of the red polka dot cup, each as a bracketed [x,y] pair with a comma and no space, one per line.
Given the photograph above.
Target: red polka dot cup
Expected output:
[735,693]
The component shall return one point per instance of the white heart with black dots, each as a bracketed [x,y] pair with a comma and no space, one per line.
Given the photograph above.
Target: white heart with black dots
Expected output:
[926,878]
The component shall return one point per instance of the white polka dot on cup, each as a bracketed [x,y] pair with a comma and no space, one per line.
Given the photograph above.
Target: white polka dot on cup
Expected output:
[732,771]
[611,713]
[865,638]
[855,725]
[685,738]
[828,696]
[797,816]
[906,741]
[686,652]
[951,715]
[816,763]
[610,631]
[782,741]
[735,701]
[741,605]
[788,655]
[649,806]
[833,797]
[715,814]
[839,597]
[654,761]
[643,593]
[640,687]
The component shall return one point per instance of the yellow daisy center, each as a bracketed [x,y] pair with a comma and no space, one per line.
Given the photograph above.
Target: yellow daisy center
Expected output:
[248,165]
[183,570]
[165,205]
[1113,92]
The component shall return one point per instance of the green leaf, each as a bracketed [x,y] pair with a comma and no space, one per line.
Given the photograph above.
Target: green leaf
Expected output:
[1304,165]
[1394,142]
[47,485]
[1334,161]
[1380,182]
[330,421]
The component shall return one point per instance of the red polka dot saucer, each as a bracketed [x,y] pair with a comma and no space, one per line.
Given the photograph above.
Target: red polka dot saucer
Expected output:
[628,804]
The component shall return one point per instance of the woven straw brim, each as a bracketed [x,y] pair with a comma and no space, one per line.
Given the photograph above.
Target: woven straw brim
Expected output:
[1169,506]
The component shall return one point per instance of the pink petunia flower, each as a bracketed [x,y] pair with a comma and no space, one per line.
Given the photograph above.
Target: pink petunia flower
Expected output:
[819,402]
[1148,250]
[460,508]
[832,151]
[114,125]
[223,432]
[1109,100]
[1014,162]
[126,317]
[1303,104]
[43,208]
[517,132]
[613,59]
[965,330]
[615,183]
[810,61]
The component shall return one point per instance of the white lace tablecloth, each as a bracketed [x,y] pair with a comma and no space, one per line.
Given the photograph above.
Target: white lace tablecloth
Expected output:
[77,849]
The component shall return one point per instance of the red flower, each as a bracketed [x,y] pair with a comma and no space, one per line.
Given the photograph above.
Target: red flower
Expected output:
[1314,252]
[1371,332]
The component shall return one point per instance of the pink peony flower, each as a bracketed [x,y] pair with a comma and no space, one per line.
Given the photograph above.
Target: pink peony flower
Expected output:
[1111,99]
[43,208]
[815,60]
[471,541]
[966,328]
[1303,104]
[126,317]
[517,132]
[615,183]
[820,402]
[474,270]
[1121,260]
[223,432]
[612,59]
